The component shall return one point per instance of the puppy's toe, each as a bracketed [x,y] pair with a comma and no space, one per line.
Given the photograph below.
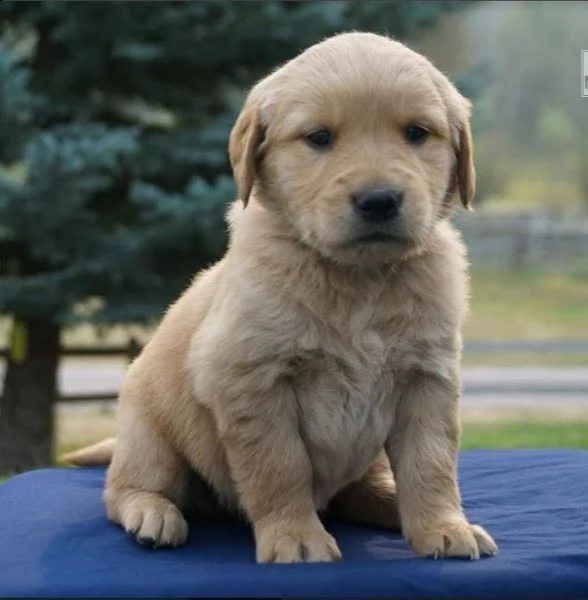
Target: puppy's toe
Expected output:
[298,543]
[486,544]
[155,524]
[320,549]
[457,539]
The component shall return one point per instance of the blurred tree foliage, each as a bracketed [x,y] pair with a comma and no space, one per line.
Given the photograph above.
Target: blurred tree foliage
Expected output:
[536,122]
[536,82]
[114,119]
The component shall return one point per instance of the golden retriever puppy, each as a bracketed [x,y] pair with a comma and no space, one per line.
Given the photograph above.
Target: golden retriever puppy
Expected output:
[316,366]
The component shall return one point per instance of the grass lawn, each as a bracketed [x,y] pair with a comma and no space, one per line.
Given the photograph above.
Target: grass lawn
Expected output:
[527,306]
[525,434]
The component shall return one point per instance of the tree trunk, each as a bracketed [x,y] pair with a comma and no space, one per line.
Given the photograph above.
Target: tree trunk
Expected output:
[29,390]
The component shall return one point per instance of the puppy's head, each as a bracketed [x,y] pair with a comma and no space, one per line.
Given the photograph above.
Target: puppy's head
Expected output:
[359,143]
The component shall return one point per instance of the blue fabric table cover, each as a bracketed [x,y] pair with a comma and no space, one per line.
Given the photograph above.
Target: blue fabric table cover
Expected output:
[55,541]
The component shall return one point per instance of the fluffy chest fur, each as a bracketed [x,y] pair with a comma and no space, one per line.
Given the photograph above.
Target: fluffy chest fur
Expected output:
[344,399]
[348,371]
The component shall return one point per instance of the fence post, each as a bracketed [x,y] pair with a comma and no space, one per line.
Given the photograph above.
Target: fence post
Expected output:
[133,349]
[520,247]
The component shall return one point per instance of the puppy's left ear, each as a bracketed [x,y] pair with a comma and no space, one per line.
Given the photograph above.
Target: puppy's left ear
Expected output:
[244,143]
[464,150]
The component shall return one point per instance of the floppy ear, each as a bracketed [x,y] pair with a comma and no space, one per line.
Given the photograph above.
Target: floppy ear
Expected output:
[466,171]
[244,142]
[459,108]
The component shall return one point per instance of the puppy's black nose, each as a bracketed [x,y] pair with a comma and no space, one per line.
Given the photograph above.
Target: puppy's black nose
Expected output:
[378,204]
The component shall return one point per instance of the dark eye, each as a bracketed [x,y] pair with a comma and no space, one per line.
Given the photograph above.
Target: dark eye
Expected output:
[415,134]
[320,139]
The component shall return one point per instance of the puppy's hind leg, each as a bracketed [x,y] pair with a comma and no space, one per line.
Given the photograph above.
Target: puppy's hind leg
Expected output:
[147,484]
[371,500]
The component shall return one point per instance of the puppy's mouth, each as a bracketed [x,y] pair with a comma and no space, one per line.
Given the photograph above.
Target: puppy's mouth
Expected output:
[376,237]
[379,236]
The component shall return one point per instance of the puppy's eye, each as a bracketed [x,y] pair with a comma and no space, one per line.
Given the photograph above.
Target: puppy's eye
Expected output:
[415,134]
[320,139]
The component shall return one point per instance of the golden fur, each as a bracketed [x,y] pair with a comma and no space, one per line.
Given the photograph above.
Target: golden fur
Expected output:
[305,367]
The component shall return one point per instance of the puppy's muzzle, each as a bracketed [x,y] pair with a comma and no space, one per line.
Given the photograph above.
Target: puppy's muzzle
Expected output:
[377,205]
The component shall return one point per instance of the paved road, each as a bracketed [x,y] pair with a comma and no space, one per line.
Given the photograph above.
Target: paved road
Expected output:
[483,386]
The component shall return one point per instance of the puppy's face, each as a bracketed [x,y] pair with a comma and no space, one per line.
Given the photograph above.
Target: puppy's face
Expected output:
[360,143]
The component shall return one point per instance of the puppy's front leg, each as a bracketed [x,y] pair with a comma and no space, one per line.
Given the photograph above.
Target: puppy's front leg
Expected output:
[273,475]
[423,453]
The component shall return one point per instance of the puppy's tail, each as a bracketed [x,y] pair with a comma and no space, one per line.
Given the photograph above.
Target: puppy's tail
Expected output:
[96,455]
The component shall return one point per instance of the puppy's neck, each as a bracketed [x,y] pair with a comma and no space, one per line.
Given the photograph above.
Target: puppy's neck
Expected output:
[258,231]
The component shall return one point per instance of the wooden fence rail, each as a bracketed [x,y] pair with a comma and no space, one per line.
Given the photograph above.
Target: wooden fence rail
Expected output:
[519,242]
[130,351]
[127,352]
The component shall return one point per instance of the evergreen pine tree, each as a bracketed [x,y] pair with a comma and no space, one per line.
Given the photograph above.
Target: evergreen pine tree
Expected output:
[114,120]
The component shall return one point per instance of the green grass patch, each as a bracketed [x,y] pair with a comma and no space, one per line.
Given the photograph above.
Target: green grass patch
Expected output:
[527,306]
[524,434]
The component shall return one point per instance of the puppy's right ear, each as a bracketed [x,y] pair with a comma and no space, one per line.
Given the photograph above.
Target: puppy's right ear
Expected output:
[244,143]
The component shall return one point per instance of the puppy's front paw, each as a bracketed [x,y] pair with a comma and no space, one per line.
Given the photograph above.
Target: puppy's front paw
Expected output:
[155,523]
[455,539]
[295,542]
